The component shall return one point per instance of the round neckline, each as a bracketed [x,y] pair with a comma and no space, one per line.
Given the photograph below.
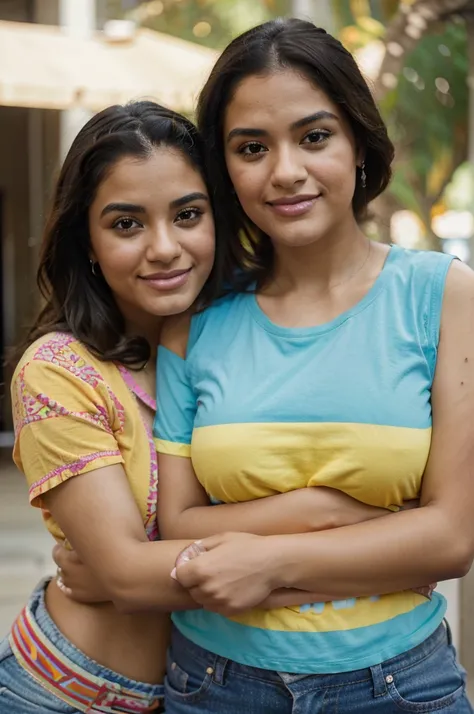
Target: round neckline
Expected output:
[262,318]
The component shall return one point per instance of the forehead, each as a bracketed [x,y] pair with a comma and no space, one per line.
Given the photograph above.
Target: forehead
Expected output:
[166,171]
[283,96]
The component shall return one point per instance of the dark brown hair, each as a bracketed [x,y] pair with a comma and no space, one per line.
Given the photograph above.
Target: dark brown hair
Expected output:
[76,300]
[281,44]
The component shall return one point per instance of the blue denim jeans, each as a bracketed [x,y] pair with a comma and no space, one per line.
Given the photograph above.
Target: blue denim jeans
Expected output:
[425,679]
[21,693]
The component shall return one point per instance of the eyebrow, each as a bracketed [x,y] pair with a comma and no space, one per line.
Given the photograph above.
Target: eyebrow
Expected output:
[251,132]
[134,208]
[122,208]
[196,196]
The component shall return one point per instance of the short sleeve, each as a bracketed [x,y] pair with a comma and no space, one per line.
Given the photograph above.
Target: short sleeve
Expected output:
[64,419]
[175,405]
[436,267]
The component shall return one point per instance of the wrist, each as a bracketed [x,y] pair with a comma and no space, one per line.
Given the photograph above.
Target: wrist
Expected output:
[280,560]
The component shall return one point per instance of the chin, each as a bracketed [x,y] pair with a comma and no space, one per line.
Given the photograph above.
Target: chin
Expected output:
[170,305]
[298,240]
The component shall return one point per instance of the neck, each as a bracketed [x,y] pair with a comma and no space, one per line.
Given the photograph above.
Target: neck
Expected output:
[316,267]
[149,327]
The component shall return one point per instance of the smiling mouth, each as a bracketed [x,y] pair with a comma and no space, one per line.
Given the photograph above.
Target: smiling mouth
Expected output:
[294,206]
[167,281]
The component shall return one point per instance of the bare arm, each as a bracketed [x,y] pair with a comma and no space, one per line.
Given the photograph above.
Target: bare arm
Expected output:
[400,551]
[184,510]
[102,522]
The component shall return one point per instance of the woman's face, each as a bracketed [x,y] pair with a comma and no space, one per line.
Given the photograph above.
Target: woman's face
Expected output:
[291,157]
[152,234]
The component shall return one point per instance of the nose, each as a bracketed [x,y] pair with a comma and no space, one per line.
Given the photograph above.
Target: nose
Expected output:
[289,167]
[163,245]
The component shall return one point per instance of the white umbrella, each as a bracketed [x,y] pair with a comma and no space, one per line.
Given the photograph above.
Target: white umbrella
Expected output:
[43,67]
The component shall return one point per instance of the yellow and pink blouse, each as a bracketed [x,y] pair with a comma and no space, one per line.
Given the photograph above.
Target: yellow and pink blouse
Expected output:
[74,413]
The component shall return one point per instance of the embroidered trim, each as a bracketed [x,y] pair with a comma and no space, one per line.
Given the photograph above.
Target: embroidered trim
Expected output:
[57,351]
[71,469]
[151,522]
[39,407]
[135,388]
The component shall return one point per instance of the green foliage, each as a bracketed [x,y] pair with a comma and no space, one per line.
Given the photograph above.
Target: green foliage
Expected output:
[427,112]
[213,23]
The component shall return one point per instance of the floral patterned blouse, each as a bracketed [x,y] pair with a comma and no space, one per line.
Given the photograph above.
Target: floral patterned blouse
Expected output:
[73,414]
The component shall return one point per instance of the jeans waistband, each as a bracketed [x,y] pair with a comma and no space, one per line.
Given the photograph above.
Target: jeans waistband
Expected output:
[58,666]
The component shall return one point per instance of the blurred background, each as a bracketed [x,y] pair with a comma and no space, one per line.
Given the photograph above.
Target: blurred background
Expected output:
[63,60]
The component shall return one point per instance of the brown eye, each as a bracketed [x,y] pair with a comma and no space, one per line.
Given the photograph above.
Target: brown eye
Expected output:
[126,224]
[188,215]
[317,136]
[252,148]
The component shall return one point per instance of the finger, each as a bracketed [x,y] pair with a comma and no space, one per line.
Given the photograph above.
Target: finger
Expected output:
[62,587]
[194,550]
[63,557]
[57,554]
[213,541]
[188,574]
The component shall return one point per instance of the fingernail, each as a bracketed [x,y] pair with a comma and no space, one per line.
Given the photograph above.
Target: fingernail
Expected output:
[173,574]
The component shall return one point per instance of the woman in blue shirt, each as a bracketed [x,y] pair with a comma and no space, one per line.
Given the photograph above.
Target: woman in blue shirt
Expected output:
[333,361]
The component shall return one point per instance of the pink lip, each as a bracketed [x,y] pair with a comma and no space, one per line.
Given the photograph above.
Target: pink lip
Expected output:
[167,281]
[294,205]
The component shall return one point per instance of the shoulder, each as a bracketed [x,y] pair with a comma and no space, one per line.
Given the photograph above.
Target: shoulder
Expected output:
[50,348]
[180,332]
[59,357]
[459,291]
[421,263]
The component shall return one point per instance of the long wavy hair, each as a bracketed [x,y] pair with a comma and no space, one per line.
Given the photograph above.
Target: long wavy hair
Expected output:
[77,301]
[272,46]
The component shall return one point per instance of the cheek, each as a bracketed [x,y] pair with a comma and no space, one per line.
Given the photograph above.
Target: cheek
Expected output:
[335,170]
[118,260]
[201,247]
[246,178]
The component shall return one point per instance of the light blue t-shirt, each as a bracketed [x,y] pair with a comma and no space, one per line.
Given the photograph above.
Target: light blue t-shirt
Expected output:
[263,409]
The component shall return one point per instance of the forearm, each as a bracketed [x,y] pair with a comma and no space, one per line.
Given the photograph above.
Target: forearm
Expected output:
[390,554]
[142,581]
[300,511]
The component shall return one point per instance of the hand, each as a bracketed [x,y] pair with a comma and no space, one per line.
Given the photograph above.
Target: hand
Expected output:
[234,574]
[76,580]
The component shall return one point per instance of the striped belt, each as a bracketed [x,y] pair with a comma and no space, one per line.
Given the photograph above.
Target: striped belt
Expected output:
[69,682]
